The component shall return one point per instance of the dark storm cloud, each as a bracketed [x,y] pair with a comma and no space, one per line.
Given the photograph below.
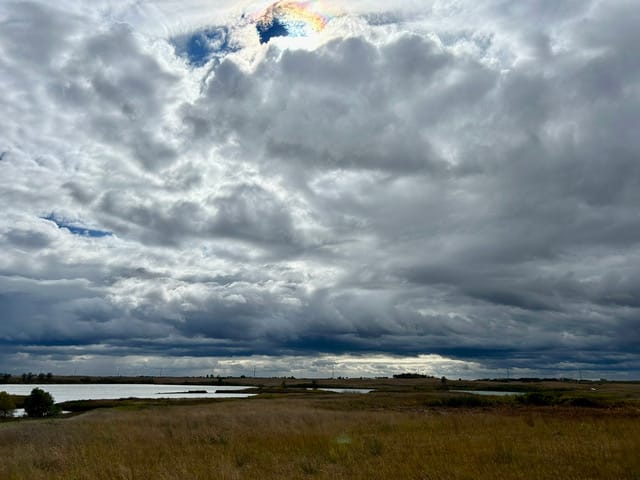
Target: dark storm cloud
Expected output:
[51,311]
[468,188]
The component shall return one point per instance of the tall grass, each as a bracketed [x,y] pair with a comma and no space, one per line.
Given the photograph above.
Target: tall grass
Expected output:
[302,438]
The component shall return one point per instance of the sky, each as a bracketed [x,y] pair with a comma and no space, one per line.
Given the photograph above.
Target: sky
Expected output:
[447,187]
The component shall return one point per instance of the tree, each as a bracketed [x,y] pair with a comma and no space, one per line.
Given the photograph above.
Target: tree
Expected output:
[39,403]
[7,405]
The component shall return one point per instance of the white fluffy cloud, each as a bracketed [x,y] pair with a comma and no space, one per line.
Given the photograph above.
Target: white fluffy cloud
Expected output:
[449,178]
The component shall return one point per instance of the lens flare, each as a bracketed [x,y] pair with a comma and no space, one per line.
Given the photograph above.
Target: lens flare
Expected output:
[291,19]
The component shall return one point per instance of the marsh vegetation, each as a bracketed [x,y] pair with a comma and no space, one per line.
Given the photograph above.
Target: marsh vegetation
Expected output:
[407,430]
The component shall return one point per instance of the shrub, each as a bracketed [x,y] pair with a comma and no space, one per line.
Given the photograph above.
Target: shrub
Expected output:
[465,401]
[7,405]
[462,401]
[39,404]
[584,402]
[537,399]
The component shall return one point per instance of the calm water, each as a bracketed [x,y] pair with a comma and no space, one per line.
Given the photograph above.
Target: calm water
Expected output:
[344,390]
[488,392]
[66,393]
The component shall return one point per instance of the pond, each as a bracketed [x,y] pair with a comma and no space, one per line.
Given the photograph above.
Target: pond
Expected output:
[494,393]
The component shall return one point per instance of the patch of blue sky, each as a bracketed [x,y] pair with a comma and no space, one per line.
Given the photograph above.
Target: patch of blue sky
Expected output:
[267,31]
[282,28]
[76,229]
[204,45]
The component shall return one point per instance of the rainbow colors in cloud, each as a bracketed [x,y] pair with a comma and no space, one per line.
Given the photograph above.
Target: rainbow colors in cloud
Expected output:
[292,19]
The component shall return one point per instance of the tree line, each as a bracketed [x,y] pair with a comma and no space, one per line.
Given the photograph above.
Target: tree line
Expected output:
[28,377]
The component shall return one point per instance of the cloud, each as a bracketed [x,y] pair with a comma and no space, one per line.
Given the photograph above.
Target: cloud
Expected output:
[341,106]
[449,178]
[200,47]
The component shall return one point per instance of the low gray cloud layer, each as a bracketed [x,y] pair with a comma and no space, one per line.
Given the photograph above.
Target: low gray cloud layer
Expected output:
[453,178]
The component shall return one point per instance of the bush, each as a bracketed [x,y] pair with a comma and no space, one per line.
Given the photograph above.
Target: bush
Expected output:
[584,402]
[7,405]
[465,401]
[39,404]
[537,399]
[462,401]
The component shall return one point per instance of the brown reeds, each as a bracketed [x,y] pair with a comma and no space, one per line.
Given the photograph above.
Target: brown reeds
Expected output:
[315,438]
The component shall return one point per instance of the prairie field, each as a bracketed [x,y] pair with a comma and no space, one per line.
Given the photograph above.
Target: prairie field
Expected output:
[395,436]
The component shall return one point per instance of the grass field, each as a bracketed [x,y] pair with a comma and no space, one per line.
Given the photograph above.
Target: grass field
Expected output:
[395,434]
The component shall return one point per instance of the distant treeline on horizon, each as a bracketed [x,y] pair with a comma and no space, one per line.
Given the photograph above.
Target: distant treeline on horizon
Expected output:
[30,377]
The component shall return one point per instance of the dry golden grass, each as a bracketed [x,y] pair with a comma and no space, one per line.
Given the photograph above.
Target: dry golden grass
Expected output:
[302,438]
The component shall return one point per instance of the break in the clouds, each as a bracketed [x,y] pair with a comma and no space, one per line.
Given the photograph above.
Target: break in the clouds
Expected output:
[450,187]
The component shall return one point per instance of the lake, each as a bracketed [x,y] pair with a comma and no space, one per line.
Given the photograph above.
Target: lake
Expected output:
[70,392]
[488,392]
